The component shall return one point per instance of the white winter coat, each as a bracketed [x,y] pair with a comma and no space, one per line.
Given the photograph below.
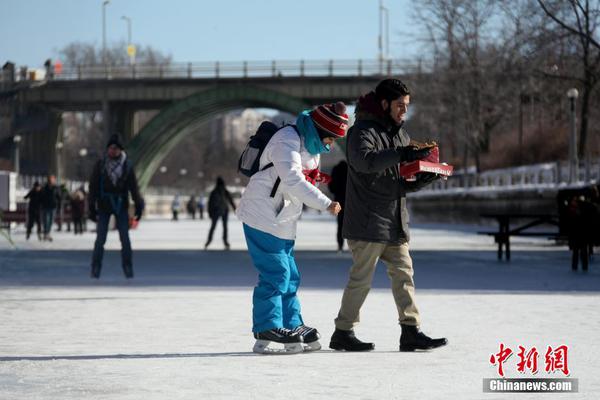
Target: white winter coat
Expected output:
[279,215]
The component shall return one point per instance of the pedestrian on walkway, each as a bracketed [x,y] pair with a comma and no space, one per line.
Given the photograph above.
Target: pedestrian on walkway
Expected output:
[112,180]
[270,209]
[50,202]
[337,187]
[218,208]
[376,217]
[201,205]
[34,209]
[77,211]
[175,207]
[192,206]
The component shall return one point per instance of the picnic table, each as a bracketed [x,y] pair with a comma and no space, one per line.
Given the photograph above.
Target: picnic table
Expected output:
[526,222]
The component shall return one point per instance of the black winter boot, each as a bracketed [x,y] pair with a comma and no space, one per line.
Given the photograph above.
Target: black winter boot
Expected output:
[346,340]
[413,339]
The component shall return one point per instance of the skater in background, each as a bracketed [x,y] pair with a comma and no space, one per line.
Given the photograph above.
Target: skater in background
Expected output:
[50,201]
[583,226]
[270,208]
[337,187]
[113,179]
[376,217]
[77,211]
[34,210]
[218,208]
[191,207]
[175,207]
[201,205]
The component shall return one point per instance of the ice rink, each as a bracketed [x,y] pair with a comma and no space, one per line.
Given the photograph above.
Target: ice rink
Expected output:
[182,328]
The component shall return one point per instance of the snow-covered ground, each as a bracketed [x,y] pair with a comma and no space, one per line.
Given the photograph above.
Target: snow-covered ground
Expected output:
[181,329]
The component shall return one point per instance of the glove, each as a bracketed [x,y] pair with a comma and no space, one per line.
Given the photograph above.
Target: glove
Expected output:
[425,178]
[138,212]
[93,215]
[412,153]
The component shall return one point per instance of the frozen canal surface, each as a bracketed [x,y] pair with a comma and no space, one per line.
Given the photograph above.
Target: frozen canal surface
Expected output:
[181,329]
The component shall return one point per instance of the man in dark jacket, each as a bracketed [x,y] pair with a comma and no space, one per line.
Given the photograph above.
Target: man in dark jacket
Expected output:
[33,209]
[218,208]
[49,201]
[376,218]
[112,180]
[337,186]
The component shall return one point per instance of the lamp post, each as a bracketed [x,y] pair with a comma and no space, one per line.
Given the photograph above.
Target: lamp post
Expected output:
[59,146]
[383,56]
[82,153]
[104,4]
[130,46]
[572,94]
[17,141]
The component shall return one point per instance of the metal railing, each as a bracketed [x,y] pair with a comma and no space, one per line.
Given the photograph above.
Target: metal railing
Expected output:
[237,69]
[529,176]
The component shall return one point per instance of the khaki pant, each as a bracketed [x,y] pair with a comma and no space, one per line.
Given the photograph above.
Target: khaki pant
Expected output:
[399,269]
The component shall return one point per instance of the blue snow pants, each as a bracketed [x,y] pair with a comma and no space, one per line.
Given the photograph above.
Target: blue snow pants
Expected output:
[275,302]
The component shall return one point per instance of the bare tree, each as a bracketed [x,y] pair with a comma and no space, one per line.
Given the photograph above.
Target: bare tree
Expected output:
[578,21]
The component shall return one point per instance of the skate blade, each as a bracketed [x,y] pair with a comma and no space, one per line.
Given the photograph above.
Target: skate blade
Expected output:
[312,346]
[262,347]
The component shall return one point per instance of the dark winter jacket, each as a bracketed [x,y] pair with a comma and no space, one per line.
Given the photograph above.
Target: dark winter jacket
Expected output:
[107,197]
[376,194]
[50,198]
[219,201]
[337,186]
[35,200]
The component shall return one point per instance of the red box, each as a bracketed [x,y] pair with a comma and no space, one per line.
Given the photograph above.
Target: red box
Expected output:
[431,163]
[409,170]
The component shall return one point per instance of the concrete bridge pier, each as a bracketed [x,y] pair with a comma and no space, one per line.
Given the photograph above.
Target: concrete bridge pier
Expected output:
[38,127]
[122,121]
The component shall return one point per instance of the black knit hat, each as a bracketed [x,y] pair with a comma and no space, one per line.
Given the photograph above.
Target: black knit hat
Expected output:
[114,140]
[391,89]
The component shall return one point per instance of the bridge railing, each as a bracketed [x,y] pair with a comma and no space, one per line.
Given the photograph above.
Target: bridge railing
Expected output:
[241,69]
[530,176]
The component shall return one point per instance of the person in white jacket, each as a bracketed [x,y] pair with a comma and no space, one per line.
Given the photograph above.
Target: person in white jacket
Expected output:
[270,208]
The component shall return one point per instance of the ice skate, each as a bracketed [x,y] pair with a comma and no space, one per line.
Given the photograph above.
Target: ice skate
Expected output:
[310,336]
[292,342]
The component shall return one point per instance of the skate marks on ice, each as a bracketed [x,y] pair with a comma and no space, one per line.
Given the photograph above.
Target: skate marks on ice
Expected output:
[92,357]
[84,357]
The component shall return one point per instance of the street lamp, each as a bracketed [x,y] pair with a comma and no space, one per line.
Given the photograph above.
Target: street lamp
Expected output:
[383,56]
[163,169]
[17,141]
[104,4]
[82,153]
[58,146]
[130,46]
[572,94]
[183,172]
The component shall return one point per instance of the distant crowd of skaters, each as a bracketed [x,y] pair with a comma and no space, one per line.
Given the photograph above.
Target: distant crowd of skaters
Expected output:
[49,203]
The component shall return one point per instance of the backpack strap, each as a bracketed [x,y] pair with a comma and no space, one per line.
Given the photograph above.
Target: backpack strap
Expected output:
[278,180]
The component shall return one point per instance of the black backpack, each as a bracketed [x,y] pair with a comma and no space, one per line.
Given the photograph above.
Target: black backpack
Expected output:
[249,163]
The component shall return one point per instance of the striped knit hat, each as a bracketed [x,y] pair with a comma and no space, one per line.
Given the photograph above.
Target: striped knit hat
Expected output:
[331,120]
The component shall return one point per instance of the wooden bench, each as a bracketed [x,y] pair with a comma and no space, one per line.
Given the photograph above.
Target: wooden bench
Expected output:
[20,217]
[504,232]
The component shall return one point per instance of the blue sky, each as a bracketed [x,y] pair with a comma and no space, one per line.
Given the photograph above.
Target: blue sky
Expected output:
[225,30]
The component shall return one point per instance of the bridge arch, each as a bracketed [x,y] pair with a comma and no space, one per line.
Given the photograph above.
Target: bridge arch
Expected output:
[159,136]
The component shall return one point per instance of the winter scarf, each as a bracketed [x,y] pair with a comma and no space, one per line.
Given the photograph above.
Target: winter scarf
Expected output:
[114,168]
[309,133]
